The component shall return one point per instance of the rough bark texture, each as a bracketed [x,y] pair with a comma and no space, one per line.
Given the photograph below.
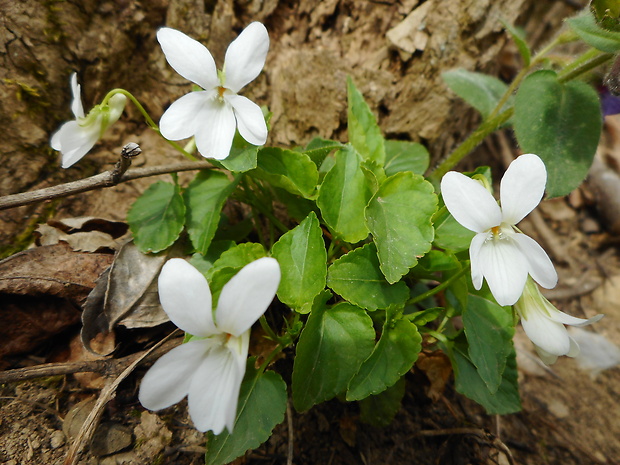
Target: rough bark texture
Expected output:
[395,52]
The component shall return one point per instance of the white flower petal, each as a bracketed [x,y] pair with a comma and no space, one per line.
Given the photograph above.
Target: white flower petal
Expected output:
[116,106]
[540,266]
[239,347]
[76,103]
[474,257]
[167,381]
[546,357]
[469,202]
[246,56]
[250,119]
[75,141]
[188,57]
[247,295]
[522,187]
[505,269]
[217,129]
[186,298]
[185,117]
[546,334]
[574,350]
[567,319]
[214,392]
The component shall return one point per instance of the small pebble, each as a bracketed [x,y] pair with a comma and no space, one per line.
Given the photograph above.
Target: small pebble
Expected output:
[57,440]
[589,226]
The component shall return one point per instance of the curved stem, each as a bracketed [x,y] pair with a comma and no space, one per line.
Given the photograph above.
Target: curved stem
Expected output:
[582,64]
[521,75]
[148,120]
[594,60]
[438,288]
[250,197]
[270,332]
[475,138]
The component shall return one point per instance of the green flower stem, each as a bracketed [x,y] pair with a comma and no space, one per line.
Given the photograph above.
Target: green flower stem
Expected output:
[279,348]
[487,127]
[524,72]
[148,120]
[270,332]
[594,60]
[331,250]
[582,64]
[248,196]
[283,342]
[436,334]
[440,287]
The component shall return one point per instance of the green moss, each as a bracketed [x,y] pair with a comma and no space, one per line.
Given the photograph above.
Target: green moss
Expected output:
[23,239]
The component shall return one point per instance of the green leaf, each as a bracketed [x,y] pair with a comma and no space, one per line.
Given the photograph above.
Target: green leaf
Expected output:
[204,198]
[592,34]
[331,348]
[518,36]
[357,277]
[262,403]
[449,234]
[318,148]
[343,195]
[238,256]
[562,124]
[303,261]
[437,260]
[399,218]
[156,218]
[392,357]
[229,264]
[290,170]
[402,155]
[425,316]
[241,161]
[203,263]
[364,132]
[481,91]
[469,383]
[489,329]
[381,409]
[296,206]
[457,293]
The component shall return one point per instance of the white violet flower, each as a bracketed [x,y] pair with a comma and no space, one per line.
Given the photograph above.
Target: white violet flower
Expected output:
[544,325]
[210,367]
[75,138]
[499,252]
[211,115]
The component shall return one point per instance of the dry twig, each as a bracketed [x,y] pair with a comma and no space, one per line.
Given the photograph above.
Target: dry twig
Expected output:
[106,179]
[91,422]
[106,367]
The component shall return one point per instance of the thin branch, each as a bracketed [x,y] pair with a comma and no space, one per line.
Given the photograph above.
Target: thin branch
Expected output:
[103,366]
[106,179]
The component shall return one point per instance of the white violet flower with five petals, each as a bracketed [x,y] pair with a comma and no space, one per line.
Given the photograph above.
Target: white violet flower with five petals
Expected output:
[213,114]
[75,138]
[499,252]
[210,367]
[544,325]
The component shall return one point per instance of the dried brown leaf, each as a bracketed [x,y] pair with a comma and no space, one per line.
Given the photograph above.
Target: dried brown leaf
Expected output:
[41,290]
[126,294]
[52,270]
[438,369]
